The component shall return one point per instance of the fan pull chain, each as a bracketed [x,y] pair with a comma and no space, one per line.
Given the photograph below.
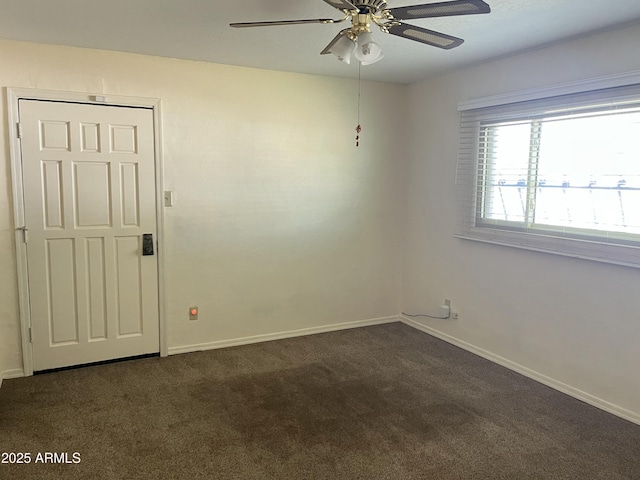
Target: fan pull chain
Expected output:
[359,127]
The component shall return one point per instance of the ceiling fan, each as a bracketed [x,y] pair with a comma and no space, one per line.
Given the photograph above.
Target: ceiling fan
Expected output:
[363,13]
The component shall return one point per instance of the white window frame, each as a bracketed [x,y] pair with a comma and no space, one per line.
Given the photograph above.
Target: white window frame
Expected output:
[600,248]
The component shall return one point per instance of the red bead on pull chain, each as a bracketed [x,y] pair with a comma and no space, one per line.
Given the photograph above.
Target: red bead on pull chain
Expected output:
[358,130]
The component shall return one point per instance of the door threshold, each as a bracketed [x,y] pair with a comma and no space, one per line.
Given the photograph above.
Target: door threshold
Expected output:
[93,364]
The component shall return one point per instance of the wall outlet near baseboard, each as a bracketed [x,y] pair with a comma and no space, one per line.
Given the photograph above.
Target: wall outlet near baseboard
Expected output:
[450,313]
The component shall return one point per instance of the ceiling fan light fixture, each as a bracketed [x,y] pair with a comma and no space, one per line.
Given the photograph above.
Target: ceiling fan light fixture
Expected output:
[377,58]
[368,51]
[343,49]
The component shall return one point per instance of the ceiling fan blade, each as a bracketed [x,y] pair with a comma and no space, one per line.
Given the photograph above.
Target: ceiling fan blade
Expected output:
[440,9]
[422,35]
[281,22]
[342,4]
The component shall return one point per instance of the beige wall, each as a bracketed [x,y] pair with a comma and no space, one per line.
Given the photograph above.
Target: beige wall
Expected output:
[280,223]
[575,322]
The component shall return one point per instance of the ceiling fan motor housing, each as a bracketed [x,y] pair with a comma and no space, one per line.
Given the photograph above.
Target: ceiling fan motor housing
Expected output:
[370,6]
[367,10]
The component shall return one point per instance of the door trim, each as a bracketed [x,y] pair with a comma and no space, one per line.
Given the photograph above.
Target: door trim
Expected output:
[13,115]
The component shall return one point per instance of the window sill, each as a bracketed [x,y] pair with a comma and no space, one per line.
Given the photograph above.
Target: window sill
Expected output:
[614,254]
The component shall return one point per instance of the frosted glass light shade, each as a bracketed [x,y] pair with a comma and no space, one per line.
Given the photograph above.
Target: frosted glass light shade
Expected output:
[368,50]
[343,49]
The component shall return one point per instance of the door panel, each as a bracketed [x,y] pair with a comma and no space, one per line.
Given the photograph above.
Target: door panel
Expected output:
[96,289]
[89,183]
[62,295]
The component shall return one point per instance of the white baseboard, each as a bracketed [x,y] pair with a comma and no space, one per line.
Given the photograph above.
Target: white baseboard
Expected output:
[234,342]
[527,372]
[7,374]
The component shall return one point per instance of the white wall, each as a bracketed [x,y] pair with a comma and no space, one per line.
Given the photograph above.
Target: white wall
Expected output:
[280,223]
[575,322]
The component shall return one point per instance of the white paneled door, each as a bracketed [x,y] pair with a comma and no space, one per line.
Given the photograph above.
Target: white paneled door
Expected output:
[89,193]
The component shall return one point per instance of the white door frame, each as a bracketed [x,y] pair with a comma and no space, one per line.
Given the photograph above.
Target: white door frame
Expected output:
[13,96]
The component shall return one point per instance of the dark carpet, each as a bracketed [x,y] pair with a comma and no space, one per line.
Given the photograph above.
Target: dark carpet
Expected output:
[383,402]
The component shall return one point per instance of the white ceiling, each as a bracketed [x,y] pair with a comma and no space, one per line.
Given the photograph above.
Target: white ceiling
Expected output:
[198,30]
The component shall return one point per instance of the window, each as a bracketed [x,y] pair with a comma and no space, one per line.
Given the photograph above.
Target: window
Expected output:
[558,174]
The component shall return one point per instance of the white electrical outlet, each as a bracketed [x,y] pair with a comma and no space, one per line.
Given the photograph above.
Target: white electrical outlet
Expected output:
[445,310]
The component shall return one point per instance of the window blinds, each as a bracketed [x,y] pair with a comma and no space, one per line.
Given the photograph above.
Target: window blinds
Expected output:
[558,174]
